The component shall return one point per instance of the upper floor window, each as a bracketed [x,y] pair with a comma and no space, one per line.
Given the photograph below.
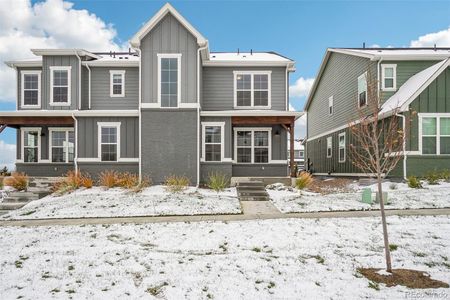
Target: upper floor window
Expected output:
[330,105]
[169,78]
[213,144]
[60,86]
[434,133]
[31,88]
[31,140]
[109,141]
[117,83]
[342,150]
[252,89]
[362,90]
[62,145]
[389,77]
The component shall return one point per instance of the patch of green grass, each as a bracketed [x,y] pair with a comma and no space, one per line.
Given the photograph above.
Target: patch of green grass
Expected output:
[256,249]
[419,254]
[258,281]
[55,290]
[209,296]
[317,283]
[70,291]
[374,285]
[271,285]
[157,289]
[28,213]
[319,259]
[431,264]
[393,247]
[18,264]
[45,275]
[71,268]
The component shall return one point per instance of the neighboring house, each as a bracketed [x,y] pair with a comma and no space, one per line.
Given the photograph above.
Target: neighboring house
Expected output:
[299,153]
[170,106]
[416,80]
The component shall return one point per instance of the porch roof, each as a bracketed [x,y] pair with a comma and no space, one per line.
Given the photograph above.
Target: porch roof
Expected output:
[252,113]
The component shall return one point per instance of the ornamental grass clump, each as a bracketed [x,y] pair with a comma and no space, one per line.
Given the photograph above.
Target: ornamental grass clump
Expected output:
[433,177]
[17,180]
[414,182]
[303,181]
[109,179]
[175,183]
[218,181]
[72,181]
[127,180]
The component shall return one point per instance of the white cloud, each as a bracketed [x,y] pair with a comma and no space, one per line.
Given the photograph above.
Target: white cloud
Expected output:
[8,155]
[301,87]
[440,38]
[47,24]
[300,125]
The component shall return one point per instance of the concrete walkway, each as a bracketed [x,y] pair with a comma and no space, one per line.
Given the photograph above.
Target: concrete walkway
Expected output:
[252,210]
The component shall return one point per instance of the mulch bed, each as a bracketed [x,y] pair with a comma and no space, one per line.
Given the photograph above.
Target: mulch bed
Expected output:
[409,278]
[330,185]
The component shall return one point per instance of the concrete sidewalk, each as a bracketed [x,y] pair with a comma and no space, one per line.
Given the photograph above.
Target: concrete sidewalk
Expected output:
[252,210]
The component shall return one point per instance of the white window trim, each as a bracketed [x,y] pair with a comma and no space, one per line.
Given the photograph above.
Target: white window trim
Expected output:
[50,145]
[394,74]
[438,117]
[22,102]
[111,83]
[178,57]
[330,105]
[340,147]
[364,75]
[69,85]
[252,73]
[253,129]
[100,125]
[330,139]
[22,143]
[222,140]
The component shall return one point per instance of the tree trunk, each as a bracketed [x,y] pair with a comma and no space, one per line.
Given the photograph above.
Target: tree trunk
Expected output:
[383,221]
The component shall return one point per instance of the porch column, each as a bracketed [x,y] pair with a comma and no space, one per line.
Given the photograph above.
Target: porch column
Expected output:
[291,148]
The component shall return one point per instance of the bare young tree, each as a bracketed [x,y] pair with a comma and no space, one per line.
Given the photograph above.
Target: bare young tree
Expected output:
[377,144]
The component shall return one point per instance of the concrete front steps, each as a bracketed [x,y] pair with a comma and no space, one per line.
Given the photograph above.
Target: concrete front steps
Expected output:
[252,191]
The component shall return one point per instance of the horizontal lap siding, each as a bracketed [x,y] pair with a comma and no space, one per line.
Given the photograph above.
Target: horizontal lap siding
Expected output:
[218,87]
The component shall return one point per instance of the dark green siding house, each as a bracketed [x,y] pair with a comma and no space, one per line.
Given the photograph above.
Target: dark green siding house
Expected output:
[414,80]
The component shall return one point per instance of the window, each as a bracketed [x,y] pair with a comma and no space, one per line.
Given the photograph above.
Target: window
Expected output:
[301,154]
[31,88]
[329,146]
[362,90]
[169,77]
[435,134]
[252,89]
[342,147]
[60,86]
[330,105]
[109,141]
[31,139]
[252,145]
[117,83]
[213,146]
[62,145]
[389,74]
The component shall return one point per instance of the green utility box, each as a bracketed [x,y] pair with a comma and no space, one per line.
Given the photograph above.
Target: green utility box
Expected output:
[367,196]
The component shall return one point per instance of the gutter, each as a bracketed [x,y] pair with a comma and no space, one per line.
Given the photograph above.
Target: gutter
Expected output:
[198,110]
[405,156]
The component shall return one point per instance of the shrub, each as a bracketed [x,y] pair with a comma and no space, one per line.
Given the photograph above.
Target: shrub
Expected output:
[218,181]
[109,179]
[1,182]
[433,177]
[303,180]
[72,181]
[4,172]
[127,180]
[445,175]
[145,182]
[414,182]
[18,180]
[175,183]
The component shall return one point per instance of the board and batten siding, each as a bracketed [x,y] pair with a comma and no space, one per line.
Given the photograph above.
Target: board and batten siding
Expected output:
[218,87]
[169,36]
[88,136]
[340,80]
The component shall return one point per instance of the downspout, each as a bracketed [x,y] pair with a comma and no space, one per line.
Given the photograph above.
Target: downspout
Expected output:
[89,85]
[287,87]
[75,159]
[378,77]
[198,111]
[79,79]
[138,50]
[404,144]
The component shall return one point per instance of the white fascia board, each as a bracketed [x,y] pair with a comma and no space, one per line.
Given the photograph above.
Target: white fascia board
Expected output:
[251,113]
[24,63]
[167,8]
[106,113]
[387,57]
[352,52]
[119,63]
[80,52]
[239,63]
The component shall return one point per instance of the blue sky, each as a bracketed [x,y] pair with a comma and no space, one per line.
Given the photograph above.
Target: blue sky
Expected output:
[301,30]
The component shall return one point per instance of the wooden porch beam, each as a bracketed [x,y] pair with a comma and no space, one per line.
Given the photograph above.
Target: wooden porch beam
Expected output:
[262,120]
[14,121]
[291,149]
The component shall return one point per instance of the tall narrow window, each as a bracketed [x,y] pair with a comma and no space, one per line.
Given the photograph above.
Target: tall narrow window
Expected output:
[60,86]
[109,141]
[31,143]
[244,147]
[362,90]
[330,105]
[252,145]
[169,76]
[342,151]
[62,145]
[329,146]
[389,74]
[429,136]
[252,89]
[31,88]
[444,135]
[213,141]
[117,83]
[261,148]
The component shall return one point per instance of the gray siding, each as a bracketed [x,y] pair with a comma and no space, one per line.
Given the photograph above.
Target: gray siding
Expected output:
[19,87]
[169,36]
[218,87]
[209,168]
[88,136]
[100,89]
[94,169]
[168,143]
[260,170]
[340,80]
[44,169]
[49,61]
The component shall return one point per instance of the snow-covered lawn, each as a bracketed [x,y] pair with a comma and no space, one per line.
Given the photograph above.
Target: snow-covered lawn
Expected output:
[260,259]
[289,200]
[153,201]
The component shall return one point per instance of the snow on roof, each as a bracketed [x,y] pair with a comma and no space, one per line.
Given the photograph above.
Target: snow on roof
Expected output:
[247,56]
[413,87]
[396,53]
[118,57]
